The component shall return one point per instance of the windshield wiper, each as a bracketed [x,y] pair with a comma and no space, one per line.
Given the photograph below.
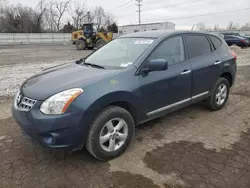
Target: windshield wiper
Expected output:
[94,65]
[80,61]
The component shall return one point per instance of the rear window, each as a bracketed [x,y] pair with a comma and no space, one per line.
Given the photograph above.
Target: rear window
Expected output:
[197,45]
[216,42]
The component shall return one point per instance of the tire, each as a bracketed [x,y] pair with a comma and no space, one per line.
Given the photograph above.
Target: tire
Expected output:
[99,43]
[213,101]
[99,129]
[80,44]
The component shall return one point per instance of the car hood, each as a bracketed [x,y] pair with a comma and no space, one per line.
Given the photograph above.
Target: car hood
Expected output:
[59,78]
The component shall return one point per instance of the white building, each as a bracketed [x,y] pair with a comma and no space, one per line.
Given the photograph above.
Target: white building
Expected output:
[125,29]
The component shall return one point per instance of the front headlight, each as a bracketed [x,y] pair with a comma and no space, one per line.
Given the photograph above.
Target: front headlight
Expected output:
[59,103]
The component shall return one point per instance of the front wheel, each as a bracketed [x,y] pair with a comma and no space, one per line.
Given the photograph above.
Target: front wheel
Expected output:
[80,44]
[219,96]
[111,133]
[100,43]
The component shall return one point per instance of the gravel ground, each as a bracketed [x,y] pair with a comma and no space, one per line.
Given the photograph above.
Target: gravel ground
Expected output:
[20,54]
[190,148]
[15,72]
[17,63]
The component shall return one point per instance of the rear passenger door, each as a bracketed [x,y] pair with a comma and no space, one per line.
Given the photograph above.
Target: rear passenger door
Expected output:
[204,61]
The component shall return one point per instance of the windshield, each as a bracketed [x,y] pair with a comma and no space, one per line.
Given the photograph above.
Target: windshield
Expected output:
[120,53]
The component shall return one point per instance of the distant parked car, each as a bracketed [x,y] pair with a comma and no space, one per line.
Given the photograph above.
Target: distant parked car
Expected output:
[237,34]
[236,40]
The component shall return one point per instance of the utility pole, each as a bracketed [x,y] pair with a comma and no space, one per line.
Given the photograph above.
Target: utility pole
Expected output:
[139,9]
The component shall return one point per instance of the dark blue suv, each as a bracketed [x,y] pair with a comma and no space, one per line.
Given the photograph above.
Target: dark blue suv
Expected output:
[236,40]
[97,101]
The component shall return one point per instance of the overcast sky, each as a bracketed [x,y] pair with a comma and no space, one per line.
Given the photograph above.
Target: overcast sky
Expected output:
[124,11]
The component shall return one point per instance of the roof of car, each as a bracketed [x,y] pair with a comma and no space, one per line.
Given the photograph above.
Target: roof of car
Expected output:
[158,33]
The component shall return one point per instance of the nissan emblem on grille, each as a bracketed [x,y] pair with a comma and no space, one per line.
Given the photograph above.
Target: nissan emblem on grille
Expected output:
[24,104]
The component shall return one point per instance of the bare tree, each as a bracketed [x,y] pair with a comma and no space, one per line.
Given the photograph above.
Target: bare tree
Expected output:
[230,25]
[216,27]
[78,12]
[236,26]
[246,26]
[2,2]
[108,20]
[90,17]
[201,26]
[57,10]
[42,7]
[20,19]
[99,17]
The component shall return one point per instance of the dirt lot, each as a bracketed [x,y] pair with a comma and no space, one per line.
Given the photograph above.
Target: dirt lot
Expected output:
[190,148]
[39,53]
[20,62]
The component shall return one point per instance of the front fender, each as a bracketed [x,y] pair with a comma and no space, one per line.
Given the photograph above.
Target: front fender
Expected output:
[118,96]
[98,105]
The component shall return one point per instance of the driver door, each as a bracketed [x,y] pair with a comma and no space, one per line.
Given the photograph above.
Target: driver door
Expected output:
[163,90]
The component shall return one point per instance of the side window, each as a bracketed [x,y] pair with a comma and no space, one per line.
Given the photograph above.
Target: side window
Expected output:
[197,45]
[216,42]
[171,49]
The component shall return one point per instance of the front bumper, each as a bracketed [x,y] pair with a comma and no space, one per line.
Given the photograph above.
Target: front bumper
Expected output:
[51,131]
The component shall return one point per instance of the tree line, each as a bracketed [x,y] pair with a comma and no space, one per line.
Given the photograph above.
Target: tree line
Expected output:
[230,26]
[51,16]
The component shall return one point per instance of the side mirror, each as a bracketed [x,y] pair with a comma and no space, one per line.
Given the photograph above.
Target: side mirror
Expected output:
[155,65]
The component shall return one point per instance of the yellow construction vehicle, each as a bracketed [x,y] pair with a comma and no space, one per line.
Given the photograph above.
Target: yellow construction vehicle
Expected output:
[88,38]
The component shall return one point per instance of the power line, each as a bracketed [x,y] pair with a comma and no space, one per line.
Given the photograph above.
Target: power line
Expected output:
[174,5]
[154,1]
[139,9]
[122,9]
[121,12]
[120,6]
[208,14]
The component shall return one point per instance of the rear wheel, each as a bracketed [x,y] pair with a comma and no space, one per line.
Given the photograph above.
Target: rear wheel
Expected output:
[111,133]
[80,44]
[100,43]
[219,96]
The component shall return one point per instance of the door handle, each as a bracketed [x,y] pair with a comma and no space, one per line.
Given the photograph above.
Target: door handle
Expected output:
[217,62]
[186,72]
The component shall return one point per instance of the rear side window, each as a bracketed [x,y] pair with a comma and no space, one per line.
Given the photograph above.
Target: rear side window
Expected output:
[197,45]
[216,42]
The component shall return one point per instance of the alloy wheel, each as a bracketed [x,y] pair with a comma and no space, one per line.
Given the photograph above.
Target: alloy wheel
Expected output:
[221,94]
[113,135]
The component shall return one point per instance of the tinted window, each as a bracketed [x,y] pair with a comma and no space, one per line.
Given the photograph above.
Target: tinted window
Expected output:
[216,42]
[197,45]
[171,49]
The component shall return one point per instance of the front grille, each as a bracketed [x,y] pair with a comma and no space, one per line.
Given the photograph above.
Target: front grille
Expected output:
[24,103]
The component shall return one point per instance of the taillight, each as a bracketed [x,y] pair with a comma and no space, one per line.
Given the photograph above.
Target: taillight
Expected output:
[234,55]
[244,41]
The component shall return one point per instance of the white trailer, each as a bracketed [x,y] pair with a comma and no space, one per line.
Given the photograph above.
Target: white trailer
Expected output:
[125,29]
